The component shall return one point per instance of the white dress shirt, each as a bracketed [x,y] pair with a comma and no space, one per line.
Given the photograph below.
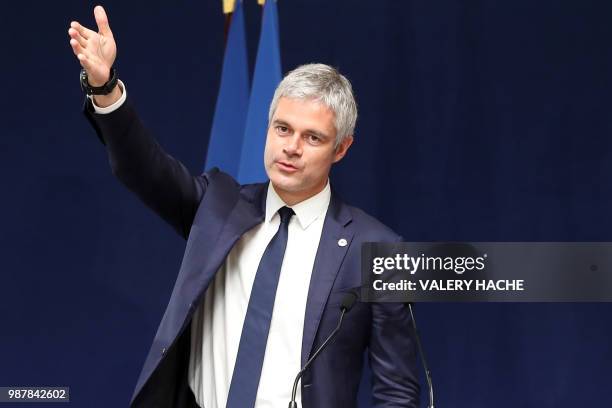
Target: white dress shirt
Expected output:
[217,323]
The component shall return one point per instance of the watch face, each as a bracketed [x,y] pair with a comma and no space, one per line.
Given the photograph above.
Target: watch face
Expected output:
[83,80]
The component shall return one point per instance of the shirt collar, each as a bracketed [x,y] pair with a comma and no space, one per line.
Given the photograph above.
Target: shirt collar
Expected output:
[306,211]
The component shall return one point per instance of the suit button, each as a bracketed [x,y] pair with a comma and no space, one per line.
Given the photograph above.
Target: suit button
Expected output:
[163,351]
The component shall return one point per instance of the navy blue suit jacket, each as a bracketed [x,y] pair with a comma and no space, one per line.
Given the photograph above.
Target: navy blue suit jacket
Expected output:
[212,211]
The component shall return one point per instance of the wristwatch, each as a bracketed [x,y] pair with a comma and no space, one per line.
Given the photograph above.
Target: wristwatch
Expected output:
[99,90]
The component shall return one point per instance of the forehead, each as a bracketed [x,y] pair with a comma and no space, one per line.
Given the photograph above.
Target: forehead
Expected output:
[305,114]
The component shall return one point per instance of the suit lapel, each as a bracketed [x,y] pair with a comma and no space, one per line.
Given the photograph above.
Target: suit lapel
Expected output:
[248,212]
[330,255]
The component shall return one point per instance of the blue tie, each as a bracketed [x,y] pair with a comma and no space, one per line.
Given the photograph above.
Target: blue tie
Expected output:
[247,370]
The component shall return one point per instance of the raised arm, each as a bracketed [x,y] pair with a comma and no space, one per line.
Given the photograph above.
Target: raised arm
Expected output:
[162,182]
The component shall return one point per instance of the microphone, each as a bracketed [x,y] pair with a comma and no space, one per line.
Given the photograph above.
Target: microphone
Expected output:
[347,304]
[423,360]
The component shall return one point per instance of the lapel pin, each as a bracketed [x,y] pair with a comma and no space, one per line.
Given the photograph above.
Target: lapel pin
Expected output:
[342,242]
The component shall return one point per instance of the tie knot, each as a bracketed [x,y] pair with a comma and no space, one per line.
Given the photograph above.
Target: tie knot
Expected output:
[285,214]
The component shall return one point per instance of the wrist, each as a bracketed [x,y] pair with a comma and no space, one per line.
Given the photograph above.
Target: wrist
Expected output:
[96,83]
[96,89]
[104,101]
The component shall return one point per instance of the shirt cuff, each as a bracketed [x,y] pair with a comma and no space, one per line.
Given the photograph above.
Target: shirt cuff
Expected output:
[115,105]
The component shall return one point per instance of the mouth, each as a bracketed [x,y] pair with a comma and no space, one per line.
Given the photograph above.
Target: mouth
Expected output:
[286,166]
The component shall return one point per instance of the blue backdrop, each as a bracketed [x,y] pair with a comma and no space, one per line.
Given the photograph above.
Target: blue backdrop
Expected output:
[479,120]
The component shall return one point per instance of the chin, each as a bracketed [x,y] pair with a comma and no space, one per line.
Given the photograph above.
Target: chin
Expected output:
[286,185]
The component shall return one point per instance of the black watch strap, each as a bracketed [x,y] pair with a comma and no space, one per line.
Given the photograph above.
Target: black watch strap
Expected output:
[99,90]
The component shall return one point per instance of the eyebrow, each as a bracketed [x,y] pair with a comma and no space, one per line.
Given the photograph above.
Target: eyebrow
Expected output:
[279,122]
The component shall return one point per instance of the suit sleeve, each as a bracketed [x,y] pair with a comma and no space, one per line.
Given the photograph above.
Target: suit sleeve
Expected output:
[163,183]
[393,356]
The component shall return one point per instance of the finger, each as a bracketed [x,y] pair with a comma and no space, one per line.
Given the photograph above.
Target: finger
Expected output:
[83,31]
[102,21]
[76,47]
[85,62]
[83,53]
[75,36]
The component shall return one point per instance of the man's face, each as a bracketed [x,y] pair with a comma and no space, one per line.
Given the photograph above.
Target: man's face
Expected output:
[300,148]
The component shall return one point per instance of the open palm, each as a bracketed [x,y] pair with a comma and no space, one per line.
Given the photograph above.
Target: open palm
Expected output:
[96,51]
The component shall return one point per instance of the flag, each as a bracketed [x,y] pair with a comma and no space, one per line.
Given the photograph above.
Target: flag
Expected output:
[265,79]
[227,133]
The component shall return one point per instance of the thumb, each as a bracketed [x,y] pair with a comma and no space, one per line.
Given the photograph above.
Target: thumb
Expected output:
[102,21]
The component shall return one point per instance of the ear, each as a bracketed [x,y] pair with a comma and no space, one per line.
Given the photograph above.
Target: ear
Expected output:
[342,148]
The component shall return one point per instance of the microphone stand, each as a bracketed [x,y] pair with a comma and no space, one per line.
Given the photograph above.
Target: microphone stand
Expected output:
[292,403]
[423,361]
[347,304]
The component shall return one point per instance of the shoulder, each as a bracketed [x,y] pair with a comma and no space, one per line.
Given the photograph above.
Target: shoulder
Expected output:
[223,180]
[367,227]
[223,186]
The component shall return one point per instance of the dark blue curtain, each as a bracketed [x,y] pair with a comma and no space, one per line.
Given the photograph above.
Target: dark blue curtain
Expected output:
[479,120]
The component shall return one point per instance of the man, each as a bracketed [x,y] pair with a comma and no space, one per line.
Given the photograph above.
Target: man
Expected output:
[266,266]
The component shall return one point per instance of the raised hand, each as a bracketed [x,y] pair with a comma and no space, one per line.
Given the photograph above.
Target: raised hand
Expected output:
[96,51]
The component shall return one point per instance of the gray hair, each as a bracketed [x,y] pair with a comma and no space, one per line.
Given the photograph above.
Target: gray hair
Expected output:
[321,83]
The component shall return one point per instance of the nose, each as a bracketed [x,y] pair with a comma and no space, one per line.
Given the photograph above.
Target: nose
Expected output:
[293,147]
